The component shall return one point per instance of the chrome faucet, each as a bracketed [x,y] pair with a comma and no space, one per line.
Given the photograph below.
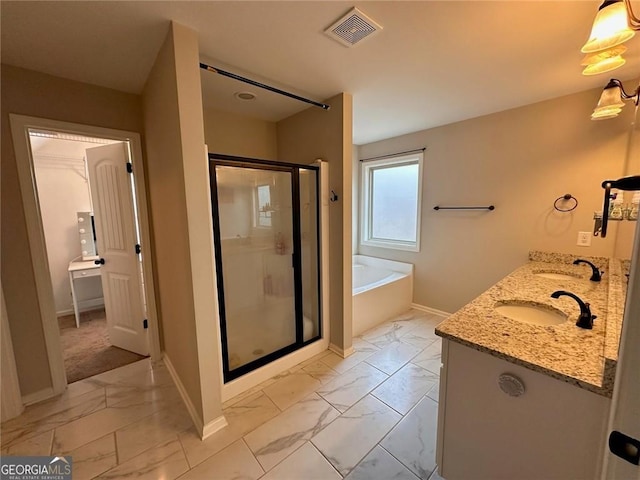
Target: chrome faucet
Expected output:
[585,320]
[596,276]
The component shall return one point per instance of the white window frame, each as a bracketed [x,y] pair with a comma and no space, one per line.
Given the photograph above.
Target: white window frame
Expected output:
[256,208]
[366,173]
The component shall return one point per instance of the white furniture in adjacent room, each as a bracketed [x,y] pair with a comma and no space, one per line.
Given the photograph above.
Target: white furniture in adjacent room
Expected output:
[79,269]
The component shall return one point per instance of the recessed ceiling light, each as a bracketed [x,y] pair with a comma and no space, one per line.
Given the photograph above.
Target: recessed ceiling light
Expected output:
[245,95]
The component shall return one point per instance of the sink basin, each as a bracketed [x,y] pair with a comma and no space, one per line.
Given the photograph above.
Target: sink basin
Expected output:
[528,313]
[557,276]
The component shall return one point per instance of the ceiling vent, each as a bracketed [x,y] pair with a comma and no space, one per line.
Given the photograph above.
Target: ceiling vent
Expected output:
[352,28]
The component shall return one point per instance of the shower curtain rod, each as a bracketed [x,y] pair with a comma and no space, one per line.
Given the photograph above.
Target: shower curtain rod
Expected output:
[209,68]
[393,154]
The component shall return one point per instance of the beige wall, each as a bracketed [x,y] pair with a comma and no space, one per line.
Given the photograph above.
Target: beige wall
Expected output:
[303,138]
[520,160]
[180,213]
[626,230]
[239,135]
[35,94]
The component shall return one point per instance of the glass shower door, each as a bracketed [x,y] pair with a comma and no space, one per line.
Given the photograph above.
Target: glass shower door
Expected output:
[256,240]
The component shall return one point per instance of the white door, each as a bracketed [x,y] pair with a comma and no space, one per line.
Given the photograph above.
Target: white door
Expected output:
[625,417]
[113,211]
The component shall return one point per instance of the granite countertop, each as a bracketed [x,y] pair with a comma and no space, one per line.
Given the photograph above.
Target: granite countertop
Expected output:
[585,358]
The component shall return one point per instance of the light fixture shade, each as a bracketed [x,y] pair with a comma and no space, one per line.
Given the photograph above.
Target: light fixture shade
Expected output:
[603,116]
[610,27]
[610,103]
[611,97]
[604,66]
[604,61]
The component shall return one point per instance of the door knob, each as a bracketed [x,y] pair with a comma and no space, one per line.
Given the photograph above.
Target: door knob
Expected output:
[99,261]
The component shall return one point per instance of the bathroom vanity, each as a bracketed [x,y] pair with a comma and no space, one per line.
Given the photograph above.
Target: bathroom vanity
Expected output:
[524,392]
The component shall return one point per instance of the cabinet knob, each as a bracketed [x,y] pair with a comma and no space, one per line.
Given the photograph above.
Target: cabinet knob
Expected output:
[511,385]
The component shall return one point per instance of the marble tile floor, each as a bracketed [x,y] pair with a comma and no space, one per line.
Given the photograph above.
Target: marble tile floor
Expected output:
[370,416]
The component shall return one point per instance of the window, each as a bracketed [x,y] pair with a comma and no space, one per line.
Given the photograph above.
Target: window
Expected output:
[391,193]
[263,193]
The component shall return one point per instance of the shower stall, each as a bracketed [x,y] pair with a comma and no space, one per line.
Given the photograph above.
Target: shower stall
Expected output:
[267,238]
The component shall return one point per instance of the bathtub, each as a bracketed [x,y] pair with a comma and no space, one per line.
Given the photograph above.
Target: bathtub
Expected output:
[382,289]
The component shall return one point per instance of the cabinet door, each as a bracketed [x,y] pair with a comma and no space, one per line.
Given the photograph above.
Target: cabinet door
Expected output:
[554,430]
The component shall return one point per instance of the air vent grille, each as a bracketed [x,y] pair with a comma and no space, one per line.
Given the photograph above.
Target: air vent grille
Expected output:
[352,28]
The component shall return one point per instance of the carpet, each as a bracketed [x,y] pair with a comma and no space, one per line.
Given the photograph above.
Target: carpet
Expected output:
[86,350]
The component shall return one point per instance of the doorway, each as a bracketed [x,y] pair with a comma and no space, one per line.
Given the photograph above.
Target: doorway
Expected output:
[61,165]
[106,172]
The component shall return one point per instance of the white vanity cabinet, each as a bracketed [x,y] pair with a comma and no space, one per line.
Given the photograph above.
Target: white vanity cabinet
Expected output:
[553,430]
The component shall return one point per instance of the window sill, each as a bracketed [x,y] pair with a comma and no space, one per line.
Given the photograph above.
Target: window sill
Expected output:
[407,247]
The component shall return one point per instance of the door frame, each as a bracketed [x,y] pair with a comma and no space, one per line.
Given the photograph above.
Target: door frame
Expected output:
[623,413]
[37,246]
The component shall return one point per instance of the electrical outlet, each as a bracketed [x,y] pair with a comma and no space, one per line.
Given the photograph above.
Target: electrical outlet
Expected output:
[584,239]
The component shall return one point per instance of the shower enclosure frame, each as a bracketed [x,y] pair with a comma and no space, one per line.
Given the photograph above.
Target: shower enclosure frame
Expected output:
[216,159]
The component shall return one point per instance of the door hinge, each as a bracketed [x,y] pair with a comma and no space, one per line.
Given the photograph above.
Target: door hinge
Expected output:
[138,249]
[145,323]
[129,167]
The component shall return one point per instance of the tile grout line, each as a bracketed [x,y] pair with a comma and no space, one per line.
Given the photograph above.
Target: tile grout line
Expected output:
[389,431]
[53,434]
[115,441]
[282,460]
[325,457]
[115,446]
[400,461]
[184,452]
[264,472]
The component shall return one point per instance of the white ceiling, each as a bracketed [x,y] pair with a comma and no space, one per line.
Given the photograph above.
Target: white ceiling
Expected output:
[434,63]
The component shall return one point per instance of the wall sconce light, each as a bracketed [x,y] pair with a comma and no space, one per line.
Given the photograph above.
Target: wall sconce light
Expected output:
[604,61]
[615,23]
[611,100]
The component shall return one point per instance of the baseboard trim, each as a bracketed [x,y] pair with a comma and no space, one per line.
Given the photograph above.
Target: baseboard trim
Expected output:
[339,351]
[38,396]
[195,418]
[434,311]
[213,426]
[87,307]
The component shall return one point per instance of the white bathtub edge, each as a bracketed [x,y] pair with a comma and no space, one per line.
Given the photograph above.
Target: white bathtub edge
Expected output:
[374,306]
[392,265]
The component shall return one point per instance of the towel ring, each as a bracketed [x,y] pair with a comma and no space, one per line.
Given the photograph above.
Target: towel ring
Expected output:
[565,197]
